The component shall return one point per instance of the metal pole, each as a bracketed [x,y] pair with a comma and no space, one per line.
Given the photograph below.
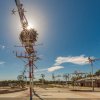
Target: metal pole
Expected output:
[92,77]
[68,81]
[30,76]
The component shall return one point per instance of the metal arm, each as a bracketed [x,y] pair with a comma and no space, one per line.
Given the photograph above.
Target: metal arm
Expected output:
[21,11]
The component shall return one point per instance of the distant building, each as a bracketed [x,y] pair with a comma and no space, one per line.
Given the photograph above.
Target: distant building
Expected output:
[87,82]
[3,83]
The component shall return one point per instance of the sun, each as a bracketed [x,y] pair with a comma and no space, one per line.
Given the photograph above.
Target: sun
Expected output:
[30,26]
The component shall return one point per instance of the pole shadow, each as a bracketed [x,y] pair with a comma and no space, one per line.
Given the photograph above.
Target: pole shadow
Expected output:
[37,95]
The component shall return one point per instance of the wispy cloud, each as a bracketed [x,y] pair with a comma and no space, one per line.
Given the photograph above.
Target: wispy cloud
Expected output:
[80,60]
[50,69]
[54,68]
[2,62]
[41,70]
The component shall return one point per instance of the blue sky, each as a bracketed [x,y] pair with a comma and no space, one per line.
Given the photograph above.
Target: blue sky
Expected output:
[67,28]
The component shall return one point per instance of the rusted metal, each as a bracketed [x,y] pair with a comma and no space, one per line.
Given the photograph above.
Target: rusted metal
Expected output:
[27,37]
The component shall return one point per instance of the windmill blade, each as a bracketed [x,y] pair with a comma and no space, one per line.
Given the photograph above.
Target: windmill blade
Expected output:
[93,58]
[90,60]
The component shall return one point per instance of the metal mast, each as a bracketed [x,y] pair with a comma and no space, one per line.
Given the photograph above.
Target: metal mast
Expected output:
[21,11]
[28,37]
[91,60]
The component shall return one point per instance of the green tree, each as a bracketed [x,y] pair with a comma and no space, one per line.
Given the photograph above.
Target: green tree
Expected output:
[97,73]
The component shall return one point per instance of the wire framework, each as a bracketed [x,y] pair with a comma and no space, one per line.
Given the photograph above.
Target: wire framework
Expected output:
[28,38]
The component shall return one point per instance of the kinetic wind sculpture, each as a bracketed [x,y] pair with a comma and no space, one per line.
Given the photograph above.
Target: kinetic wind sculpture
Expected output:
[91,60]
[53,77]
[28,37]
[66,77]
[22,78]
[42,75]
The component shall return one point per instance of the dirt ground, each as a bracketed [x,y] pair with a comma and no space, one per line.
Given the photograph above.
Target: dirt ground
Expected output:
[55,94]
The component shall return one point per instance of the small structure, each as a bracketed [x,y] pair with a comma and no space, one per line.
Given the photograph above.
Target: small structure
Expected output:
[87,81]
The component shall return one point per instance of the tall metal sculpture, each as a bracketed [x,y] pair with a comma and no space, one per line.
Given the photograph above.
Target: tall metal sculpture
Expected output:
[42,76]
[66,77]
[91,61]
[28,37]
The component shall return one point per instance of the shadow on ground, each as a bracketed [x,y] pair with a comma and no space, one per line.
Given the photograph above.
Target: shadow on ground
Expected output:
[84,91]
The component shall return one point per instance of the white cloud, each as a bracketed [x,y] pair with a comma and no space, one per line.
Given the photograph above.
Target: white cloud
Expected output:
[80,60]
[41,70]
[50,69]
[2,62]
[54,68]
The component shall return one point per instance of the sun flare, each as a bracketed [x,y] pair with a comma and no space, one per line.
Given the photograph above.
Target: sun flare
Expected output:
[30,26]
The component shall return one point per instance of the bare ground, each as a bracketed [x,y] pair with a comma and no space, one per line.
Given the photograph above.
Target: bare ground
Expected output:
[54,94]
